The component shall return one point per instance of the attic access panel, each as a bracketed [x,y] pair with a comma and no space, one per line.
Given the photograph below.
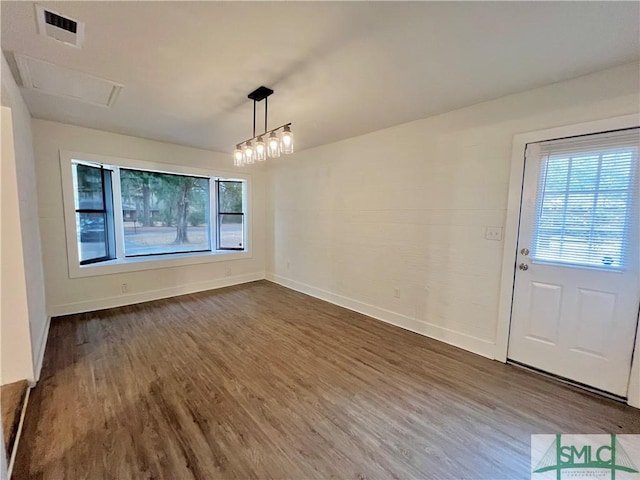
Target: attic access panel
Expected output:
[53,79]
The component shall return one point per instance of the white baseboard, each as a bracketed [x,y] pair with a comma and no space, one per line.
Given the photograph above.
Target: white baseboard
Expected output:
[43,345]
[14,452]
[130,299]
[475,345]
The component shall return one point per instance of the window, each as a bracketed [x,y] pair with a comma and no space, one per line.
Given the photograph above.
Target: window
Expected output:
[94,213]
[164,212]
[230,216]
[587,193]
[131,215]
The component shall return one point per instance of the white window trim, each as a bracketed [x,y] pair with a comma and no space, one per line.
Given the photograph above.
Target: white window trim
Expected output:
[513,219]
[134,264]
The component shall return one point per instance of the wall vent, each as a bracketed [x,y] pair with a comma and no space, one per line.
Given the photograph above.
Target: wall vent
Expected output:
[59,27]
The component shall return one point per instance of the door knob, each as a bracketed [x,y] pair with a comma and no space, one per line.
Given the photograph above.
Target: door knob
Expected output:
[523,266]
[524,251]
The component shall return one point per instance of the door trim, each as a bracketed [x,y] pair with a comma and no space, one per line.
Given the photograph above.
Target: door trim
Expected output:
[512,224]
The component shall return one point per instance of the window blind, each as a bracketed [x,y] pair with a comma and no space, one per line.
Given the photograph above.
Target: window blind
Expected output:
[587,200]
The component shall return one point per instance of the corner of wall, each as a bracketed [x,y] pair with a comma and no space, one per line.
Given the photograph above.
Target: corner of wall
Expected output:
[472,344]
[27,209]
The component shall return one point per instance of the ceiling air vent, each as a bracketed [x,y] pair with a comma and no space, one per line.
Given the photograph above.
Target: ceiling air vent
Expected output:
[59,27]
[60,22]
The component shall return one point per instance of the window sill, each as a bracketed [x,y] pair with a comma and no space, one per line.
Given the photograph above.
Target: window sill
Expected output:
[136,264]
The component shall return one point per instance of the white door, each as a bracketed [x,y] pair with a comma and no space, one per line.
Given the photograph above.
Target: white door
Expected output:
[577,282]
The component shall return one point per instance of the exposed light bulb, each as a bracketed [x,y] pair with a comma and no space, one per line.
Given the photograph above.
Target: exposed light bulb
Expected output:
[238,157]
[287,140]
[248,154]
[261,150]
[274,145]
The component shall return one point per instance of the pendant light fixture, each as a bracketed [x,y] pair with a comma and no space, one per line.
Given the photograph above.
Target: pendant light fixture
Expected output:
[255,148]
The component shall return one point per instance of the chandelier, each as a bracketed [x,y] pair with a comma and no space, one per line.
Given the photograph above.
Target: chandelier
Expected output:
[267,144]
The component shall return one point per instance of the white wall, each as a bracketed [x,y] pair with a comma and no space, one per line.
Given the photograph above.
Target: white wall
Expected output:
[67,295]
[25,267]
[15,338]
[406,208]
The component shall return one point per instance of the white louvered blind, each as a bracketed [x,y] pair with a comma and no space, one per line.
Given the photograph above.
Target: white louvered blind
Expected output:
[587,200]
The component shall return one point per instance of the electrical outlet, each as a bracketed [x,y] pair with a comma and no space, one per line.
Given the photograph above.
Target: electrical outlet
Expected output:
[396,292]
[125,288]
[493,233]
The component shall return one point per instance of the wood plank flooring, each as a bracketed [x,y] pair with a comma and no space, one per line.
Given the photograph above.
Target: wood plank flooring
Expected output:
[258,381]
[12,397]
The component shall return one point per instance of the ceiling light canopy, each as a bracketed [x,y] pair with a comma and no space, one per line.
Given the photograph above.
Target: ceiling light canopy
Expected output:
[278,141]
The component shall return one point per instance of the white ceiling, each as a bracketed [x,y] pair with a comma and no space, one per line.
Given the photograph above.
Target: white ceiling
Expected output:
[339,69]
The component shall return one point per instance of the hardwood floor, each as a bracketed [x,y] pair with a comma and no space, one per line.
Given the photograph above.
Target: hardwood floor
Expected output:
[258,381]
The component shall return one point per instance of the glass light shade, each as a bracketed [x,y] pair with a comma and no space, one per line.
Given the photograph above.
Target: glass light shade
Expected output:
[274,145]
[248,154]
[286,140]
[261,150]
[238,157]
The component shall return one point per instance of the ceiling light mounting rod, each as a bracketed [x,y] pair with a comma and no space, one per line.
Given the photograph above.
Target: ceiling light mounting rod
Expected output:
[259,94]
[254,118]
[246,153]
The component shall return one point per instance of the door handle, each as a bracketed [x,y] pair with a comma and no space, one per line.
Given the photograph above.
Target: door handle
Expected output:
[524,251]
[523,266]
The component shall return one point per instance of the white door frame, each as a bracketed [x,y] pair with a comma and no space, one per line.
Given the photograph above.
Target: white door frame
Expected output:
[511,231]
